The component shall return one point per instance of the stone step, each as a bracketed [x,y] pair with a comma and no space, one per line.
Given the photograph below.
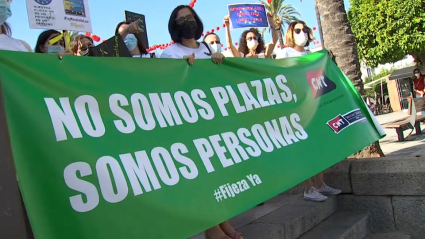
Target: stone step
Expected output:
[341,225]
[282,217]
[389,235]
[293,218]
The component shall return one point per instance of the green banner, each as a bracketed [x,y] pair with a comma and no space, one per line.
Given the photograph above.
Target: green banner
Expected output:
[110,148]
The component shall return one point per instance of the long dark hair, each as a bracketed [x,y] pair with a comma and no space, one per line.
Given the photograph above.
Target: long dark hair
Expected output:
[173,28]
[243,42]
[42,38]
[140,45]
[5,28]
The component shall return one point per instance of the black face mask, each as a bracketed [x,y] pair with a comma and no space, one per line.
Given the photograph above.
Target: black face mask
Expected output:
[188,29]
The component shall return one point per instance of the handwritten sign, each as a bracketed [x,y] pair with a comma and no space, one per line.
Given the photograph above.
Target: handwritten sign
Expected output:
[113,47]
[72,15]
[247,15]
[132,17]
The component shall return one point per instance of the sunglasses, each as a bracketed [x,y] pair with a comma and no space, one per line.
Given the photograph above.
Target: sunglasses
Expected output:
[216,42]
[189,18]
[252,38]
[298,31]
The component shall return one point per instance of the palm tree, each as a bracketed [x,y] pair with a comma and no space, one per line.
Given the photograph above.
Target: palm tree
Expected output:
[339,40]
[283,14]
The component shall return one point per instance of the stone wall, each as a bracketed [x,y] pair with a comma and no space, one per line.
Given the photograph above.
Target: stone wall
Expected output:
[391,189]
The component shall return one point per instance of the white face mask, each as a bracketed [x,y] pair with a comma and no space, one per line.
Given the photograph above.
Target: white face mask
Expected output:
[5,11]
[417,75]
[252,44]
[216,48]
[301,39]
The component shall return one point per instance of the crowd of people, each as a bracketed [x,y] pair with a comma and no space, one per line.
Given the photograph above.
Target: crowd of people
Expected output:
[185,28]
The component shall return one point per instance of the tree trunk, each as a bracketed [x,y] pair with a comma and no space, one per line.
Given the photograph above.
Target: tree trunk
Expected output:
[339,40]
[372,151]
[319,23]
[422,60]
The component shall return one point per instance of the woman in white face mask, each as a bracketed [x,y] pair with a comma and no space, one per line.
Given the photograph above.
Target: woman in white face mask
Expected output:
[298,36]
[129,32]
[6,41]
[251,43]
[214,41]
[418,83]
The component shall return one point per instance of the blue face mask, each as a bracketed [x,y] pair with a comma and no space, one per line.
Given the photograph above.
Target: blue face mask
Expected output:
[5,11]
[130,41]
[54,49]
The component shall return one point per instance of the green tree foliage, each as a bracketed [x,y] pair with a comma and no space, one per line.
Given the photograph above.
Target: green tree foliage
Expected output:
[388,30]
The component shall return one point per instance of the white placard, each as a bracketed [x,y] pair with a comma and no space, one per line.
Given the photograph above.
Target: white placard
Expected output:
[72,15]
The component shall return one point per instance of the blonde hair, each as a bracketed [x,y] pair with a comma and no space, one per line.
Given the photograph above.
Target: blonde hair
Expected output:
[289,37]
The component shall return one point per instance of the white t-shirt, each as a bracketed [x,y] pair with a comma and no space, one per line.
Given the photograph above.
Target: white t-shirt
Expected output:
[178,51]
[142,56]
[12,44]
[290,52]
[259,55]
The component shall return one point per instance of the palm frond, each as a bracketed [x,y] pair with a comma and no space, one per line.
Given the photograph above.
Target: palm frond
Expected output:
[285,13]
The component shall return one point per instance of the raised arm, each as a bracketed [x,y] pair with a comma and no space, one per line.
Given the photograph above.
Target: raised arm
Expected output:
[132,28]
[229,41]
[275,27]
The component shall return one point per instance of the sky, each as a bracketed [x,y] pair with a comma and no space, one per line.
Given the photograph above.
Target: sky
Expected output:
[106,14]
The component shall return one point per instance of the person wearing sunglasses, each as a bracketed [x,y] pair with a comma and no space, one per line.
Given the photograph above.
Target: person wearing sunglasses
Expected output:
[185,28]
[214,41]
[418,83]
[298,36]
[251,43]
[80,45]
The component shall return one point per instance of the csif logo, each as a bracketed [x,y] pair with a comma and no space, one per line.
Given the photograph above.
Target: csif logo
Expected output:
[319,83]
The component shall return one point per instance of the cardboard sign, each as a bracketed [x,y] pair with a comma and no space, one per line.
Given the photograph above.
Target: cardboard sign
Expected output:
[132,17]
[247,15]
[113,47]
[72,15]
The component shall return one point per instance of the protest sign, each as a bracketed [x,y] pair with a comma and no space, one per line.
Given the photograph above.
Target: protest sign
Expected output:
[72,15]
[113,47]
[119,148]
[247,15]
[132,17]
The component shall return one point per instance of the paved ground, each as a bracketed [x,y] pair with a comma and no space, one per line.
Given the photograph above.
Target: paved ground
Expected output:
[389,144]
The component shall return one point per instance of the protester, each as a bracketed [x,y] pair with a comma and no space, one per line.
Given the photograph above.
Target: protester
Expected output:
[214,41]
[418,83]
[185,29]
[297,37]
[80,45]
[251,43]
[43,45]
[129,31]
[6,40]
